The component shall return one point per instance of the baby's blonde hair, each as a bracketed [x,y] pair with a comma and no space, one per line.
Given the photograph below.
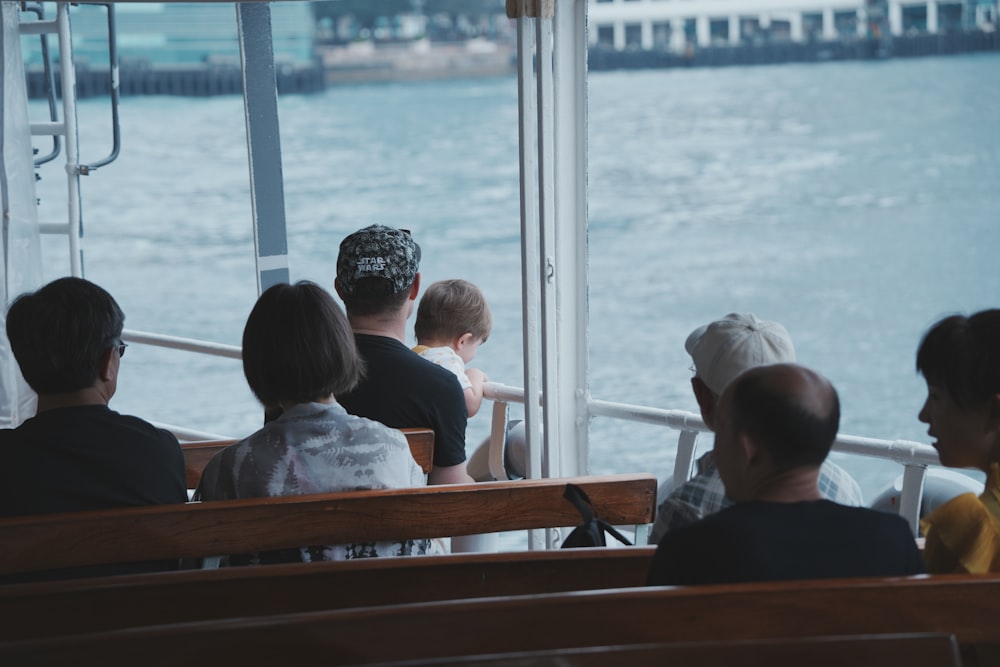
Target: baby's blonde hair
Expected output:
[451,308]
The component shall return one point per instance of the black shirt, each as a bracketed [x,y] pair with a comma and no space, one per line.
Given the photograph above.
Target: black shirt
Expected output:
[86,458]
[768,541]
[401,389]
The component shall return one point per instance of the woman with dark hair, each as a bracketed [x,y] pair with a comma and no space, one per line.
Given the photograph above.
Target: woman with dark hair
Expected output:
[959,358]
[298,354]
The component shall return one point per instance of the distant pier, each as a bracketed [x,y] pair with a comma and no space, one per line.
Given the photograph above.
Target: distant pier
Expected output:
[206,80]
[906,46]
[417,60]
[181,80]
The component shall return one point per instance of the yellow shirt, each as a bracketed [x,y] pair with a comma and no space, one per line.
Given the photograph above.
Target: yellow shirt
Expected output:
[963,535]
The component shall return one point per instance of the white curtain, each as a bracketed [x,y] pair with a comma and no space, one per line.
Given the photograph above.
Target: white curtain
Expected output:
[20,247]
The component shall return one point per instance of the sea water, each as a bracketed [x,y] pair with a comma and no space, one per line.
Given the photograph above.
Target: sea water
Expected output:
[854,202]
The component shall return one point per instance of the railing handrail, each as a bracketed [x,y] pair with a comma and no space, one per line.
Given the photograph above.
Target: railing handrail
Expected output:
[906,452]
[914,456]
[179,343]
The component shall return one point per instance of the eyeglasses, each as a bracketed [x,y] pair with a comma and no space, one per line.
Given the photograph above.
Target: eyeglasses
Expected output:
[121,348]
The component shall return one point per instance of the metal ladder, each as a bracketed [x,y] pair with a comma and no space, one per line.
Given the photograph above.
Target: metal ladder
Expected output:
[64,132]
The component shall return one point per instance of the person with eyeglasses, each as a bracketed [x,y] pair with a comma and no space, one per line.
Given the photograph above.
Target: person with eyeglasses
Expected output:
[721,350]
[774,426]
[76,453]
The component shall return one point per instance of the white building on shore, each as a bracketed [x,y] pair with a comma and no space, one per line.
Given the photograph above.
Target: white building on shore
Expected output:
[678,24]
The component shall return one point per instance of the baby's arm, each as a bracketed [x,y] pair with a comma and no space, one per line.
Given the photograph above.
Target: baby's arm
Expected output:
[474,394]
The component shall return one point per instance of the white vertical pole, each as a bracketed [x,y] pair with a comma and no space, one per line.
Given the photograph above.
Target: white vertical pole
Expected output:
[260,103]
[552,121]
[684,459]
[570,404]
[913,492]
[734,29]
[545,271]
[647,35]
[68,77]
[529,251]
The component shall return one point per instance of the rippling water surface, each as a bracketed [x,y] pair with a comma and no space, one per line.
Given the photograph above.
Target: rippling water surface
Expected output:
[854,202]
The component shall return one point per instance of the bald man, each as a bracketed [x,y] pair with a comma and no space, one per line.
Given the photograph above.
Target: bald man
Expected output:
[774,428]
[721,350]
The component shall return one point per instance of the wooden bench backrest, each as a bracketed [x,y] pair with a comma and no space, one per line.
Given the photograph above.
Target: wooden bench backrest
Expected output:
[88,605]
[421,446]
[961,605]
[197,454]
[909,650]
[44,542]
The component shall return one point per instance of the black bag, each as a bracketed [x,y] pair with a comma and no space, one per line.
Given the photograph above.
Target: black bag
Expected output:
[591,532]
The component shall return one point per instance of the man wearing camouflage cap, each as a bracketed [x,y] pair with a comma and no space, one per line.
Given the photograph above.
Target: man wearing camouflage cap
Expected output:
[378,279]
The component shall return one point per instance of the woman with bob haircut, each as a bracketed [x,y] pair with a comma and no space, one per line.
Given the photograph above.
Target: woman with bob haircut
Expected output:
[959,358]
[298,354]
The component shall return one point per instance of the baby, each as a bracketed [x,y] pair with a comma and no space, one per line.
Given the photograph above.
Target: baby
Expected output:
[453,320]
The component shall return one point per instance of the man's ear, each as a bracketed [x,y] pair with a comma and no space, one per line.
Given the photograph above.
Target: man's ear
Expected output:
[415,287]
[752,453]
[338,288]
[993,414]
[106,369]
[993,425]
[707,401]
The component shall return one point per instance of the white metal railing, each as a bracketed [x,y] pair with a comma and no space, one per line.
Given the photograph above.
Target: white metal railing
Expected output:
[913,456]
[178,343]
[188,345]
[185,434]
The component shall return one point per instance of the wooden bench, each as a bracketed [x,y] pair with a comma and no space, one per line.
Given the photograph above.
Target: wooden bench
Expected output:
[106,603]
[194,530]
[911,650]
[962,605]
[198,453]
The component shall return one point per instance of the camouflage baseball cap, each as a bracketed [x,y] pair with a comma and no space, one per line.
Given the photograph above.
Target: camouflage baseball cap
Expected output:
[378,251]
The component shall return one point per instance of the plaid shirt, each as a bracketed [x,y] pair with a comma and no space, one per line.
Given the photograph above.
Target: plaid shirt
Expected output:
[704,494]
